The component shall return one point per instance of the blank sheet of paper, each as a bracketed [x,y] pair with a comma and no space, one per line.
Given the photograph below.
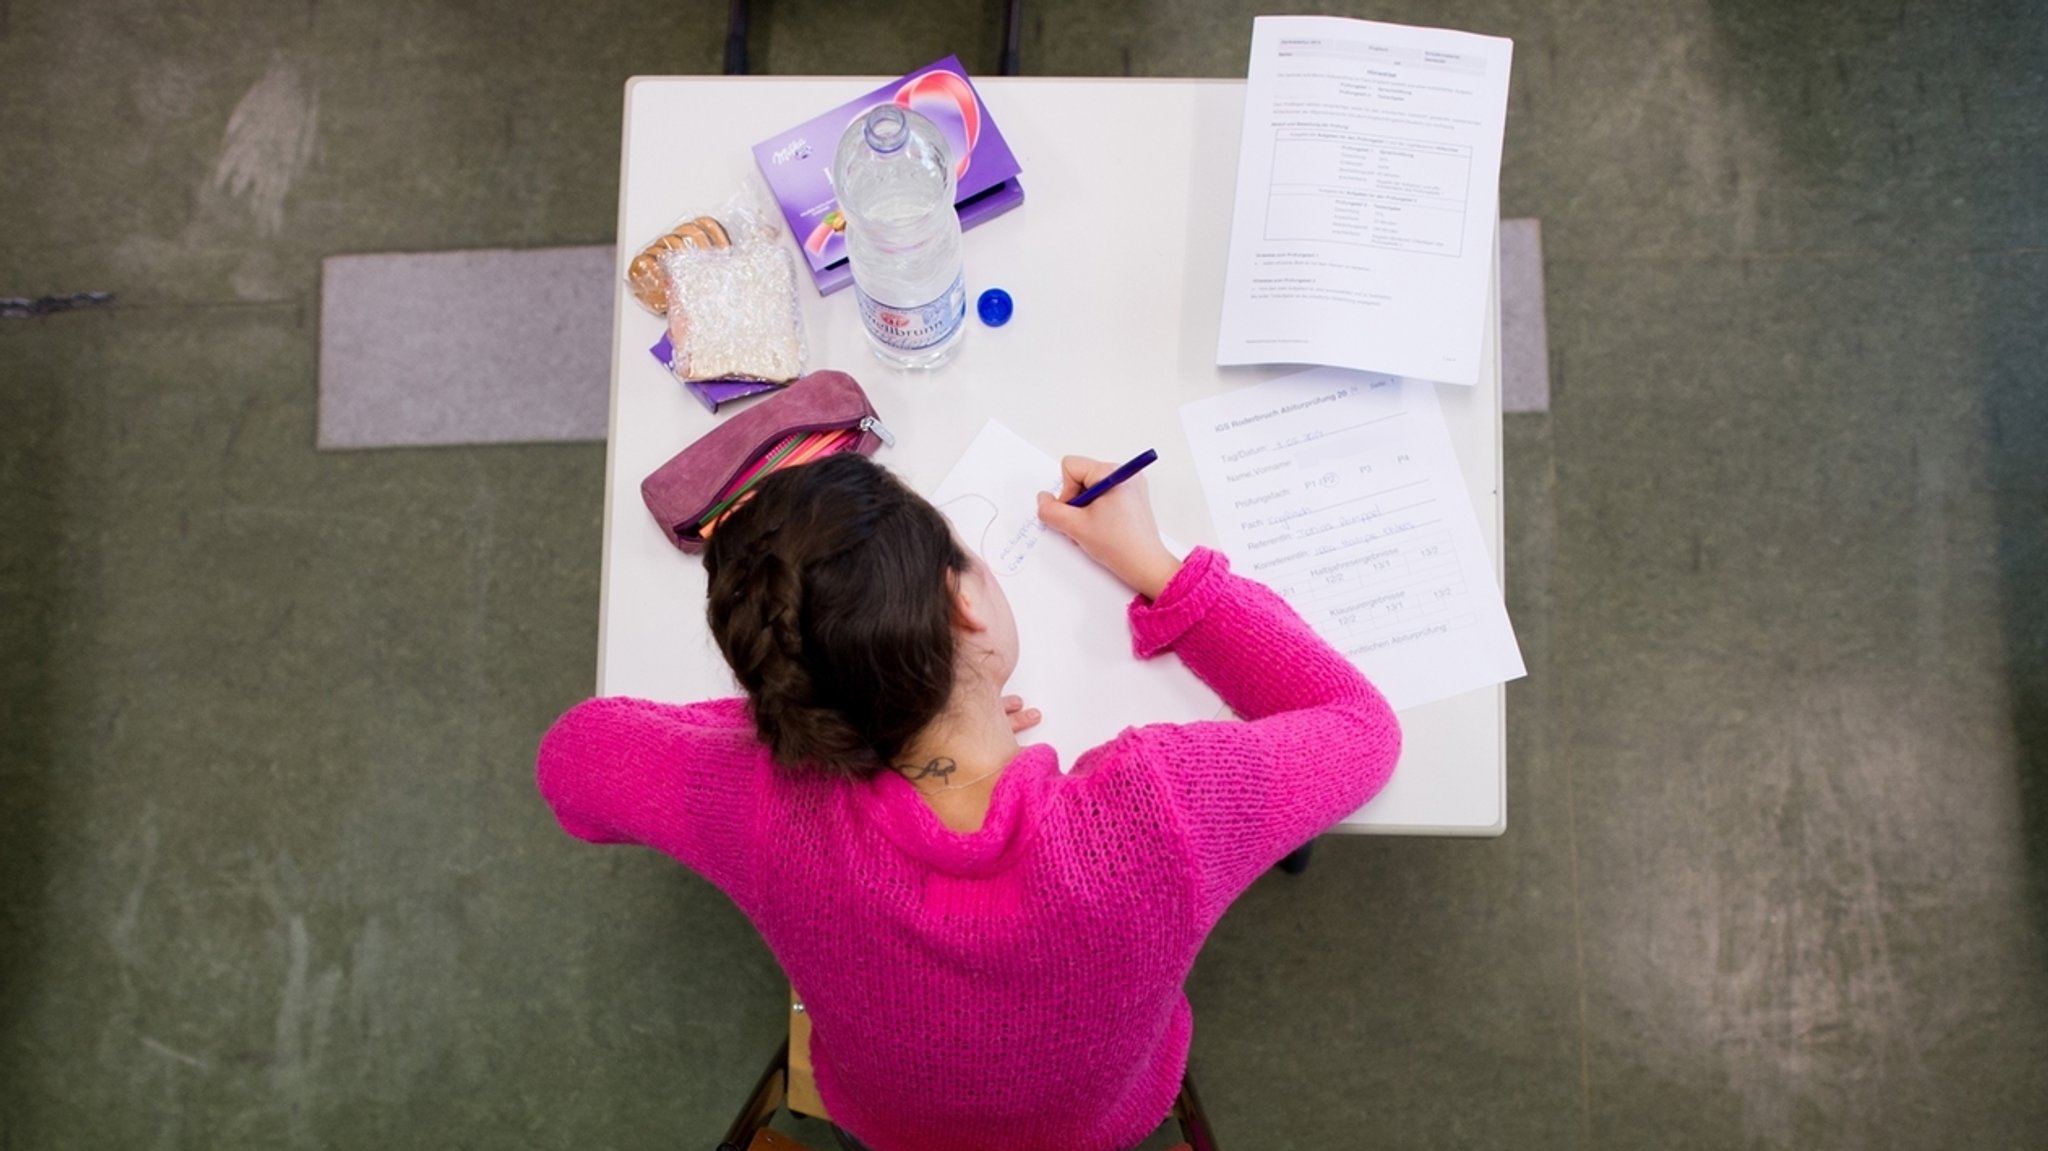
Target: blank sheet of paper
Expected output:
[1075,663]
[1340,490]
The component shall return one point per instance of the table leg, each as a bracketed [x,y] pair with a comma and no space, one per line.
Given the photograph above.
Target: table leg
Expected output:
[736,38]
[1013,27]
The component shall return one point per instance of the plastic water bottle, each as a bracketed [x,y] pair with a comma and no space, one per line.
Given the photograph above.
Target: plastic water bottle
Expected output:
[894,178]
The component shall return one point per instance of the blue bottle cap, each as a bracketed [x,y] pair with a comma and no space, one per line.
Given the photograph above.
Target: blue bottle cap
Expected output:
[994,307]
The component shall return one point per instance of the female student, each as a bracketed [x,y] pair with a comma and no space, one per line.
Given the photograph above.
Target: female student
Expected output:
[991,952]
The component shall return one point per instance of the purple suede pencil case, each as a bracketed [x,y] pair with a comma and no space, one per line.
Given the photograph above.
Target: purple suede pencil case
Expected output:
[695,481]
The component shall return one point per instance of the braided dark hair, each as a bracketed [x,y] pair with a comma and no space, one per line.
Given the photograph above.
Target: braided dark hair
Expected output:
[830,600]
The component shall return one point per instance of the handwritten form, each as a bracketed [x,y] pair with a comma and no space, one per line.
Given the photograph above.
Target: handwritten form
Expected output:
[1340,490]
[1075,663]
[1368,189]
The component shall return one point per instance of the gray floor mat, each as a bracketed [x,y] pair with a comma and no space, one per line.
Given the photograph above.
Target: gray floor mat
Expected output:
[1524,332]
[479,347]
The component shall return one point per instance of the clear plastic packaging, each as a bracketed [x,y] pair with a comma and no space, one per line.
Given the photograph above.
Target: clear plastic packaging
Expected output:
[733,314]
[728,291]
[644,274]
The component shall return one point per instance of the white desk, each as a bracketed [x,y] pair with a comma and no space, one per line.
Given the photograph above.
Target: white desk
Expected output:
[1116,263]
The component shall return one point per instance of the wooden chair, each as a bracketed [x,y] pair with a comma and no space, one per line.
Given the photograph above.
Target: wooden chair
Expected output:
[787,1082]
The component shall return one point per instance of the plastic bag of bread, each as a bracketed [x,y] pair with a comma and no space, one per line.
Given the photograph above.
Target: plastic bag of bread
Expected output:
[734,223]
[732,313]
[728,292]
[645,276]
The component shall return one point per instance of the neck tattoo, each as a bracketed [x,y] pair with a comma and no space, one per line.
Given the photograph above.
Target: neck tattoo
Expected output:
[941,769]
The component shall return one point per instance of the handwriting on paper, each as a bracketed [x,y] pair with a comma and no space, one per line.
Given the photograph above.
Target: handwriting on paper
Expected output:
[1074,661]
[1004,543]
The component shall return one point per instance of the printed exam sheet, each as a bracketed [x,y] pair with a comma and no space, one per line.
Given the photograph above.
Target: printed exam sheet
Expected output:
[1368,189]
[1341,491]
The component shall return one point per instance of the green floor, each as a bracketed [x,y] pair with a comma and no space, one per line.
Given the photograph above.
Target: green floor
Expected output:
[272,871]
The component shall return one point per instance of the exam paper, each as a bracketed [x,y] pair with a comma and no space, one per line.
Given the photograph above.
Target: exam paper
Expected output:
[1075,664]
[1341,491]
[1368,188]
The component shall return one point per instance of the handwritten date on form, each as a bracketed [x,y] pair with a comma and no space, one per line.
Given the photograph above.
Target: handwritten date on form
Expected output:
[1340,491]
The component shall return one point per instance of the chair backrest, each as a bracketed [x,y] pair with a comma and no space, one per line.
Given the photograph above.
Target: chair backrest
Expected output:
[752,1121]
[803,1085]
[1194,1123]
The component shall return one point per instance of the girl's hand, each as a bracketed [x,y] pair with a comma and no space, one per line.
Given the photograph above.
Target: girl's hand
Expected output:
[1117,530]
[1021,717]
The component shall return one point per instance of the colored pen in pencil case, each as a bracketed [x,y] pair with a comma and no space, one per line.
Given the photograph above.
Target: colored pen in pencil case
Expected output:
[793,452]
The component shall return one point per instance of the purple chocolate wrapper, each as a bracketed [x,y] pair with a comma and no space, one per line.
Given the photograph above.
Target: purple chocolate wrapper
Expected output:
[798,163]
[713,394]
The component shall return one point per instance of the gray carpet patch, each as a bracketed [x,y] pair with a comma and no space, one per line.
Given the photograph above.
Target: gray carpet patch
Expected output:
[480,347]
[1524,333]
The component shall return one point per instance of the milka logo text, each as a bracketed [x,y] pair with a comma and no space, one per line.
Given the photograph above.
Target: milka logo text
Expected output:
[797,149]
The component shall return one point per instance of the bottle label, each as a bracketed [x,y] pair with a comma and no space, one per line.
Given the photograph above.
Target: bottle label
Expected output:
[918,328]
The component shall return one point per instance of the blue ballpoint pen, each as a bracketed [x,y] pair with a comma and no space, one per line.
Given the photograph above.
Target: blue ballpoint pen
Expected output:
[1094,491]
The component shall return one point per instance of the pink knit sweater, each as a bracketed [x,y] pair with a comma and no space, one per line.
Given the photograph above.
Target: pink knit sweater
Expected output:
[1019,987]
